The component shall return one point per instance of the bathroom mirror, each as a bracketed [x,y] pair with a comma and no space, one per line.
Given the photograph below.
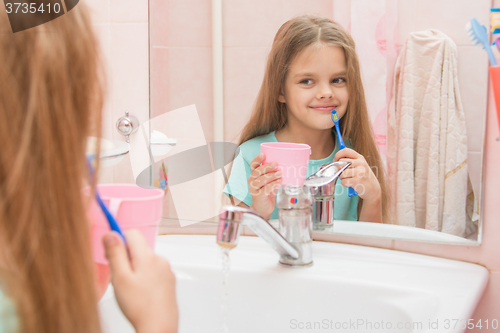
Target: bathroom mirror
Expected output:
[213,55]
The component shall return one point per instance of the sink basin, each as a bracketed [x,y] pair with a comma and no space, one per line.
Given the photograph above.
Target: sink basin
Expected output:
[348,288]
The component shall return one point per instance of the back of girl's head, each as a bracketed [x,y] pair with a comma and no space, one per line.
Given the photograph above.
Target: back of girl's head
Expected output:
[50,101]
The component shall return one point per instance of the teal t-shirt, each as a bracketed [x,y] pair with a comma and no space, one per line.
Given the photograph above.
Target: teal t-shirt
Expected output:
[8,318]
[345,208]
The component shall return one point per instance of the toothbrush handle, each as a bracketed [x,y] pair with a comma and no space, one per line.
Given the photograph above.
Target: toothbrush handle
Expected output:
[112,222]
[339,136]
[350,191]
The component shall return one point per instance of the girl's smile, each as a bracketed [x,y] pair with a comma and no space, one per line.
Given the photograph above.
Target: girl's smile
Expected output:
[324,108]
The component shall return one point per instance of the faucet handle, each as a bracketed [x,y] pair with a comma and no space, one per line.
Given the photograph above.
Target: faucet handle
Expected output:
[326,174]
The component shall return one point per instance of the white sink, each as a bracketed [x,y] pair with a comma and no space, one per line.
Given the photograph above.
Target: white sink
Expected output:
[349,288]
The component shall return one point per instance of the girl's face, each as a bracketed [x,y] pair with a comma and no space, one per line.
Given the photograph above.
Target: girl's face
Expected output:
[315,85]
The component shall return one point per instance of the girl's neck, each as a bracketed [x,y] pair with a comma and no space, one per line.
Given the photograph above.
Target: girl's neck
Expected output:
[322,142]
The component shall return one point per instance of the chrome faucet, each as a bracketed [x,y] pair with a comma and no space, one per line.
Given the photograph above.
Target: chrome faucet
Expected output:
[322,187]
[294,238]
[230,220]
[299,207]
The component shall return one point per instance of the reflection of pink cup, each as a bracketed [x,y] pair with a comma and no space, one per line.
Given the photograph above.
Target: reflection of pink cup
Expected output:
[134,207]
[292,159]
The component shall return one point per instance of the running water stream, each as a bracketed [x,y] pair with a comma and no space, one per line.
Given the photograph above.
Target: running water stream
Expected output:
[226,264]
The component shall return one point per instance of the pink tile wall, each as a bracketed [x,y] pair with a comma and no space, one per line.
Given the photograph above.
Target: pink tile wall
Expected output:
[181,63]
[181,60]
[122,29]
[243,74]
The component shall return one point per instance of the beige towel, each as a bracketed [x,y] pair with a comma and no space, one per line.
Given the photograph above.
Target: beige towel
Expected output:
[427,139]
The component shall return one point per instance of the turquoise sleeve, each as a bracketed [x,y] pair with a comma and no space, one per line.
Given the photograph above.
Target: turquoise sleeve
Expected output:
[8,319]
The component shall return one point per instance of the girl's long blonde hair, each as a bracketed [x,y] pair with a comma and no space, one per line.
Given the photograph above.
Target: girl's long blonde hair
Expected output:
[270,115]
[50,101]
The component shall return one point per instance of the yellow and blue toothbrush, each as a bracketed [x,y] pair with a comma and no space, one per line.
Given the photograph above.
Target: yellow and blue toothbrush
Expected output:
[335,118]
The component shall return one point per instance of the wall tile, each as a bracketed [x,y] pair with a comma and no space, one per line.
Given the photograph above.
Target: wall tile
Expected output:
[491,229]
[129,11]
[159,81]
[342,12]
[103,35]
[446,15]
[123,171]
[129,87]
[243,73]
[169,209]
[489,306]
[450,17]
[251,23]
[190,82]
[99,11]
[159,23]
[406,19]
[190,23]
[293,8]
[130,71]
[473,84]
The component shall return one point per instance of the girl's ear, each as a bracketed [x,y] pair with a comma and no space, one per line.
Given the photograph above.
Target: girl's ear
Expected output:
[281,98]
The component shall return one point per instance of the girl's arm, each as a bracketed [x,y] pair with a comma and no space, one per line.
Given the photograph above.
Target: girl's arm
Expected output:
[360,176]
[371,211]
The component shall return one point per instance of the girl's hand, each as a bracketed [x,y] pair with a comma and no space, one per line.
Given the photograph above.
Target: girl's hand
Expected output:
[359,175]
[263,185]
[144,284]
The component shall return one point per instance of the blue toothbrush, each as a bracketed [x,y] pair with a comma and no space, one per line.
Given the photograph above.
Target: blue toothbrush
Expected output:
[335,118]
[113,223]
[479,35]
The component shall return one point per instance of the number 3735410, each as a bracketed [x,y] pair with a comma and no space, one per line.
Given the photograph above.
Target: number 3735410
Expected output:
[32,8]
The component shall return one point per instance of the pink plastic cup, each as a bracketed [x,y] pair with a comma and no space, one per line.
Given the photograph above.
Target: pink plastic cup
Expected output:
[134,207]
[292,159]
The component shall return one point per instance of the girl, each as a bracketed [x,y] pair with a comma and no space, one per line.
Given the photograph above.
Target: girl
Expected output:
[312,69]
[50,102]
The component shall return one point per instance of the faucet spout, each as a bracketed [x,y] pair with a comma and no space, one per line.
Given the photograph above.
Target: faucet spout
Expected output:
[230,220]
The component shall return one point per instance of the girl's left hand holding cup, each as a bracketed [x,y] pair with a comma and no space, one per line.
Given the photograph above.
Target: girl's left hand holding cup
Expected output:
[359,175]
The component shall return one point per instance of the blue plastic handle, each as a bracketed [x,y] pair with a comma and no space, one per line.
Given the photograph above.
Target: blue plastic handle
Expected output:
[350,191]
[113,223]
